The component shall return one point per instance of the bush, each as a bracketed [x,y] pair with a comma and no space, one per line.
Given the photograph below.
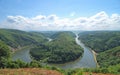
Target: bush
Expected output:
[104,70]
[35,64]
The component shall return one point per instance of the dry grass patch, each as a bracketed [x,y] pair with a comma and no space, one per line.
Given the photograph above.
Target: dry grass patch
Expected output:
[28,71]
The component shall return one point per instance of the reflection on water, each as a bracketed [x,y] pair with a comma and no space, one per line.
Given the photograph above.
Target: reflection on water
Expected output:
[23,55]
[87,61]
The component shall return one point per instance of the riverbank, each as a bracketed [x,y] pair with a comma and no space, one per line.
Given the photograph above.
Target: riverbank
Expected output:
[86,61]
[94,54]
[20,48]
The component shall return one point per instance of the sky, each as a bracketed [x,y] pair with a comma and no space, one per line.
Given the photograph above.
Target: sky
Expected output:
[44,15]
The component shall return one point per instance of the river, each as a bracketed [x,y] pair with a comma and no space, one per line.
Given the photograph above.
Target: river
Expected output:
[87,61]
[22,55]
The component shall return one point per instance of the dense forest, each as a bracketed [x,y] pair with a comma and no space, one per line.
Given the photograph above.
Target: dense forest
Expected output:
[109,57]
[7,62]
[17,38]
[100,40]
[107,46]
[4,53]
[61,49]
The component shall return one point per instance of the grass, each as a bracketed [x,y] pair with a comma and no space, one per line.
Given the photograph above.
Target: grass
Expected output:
[28,71]
[41,71]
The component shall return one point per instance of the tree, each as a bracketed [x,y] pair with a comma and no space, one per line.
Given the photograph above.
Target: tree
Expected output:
[4,50]
[4,54]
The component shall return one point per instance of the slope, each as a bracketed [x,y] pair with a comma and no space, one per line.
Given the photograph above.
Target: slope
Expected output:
[100,40]
[16,38]
[109,57]
[61,49]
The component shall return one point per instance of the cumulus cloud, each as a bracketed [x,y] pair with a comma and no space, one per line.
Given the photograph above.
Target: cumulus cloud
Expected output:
[99,21]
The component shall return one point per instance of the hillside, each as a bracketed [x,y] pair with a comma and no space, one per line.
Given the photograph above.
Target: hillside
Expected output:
[49,33]
[100,40]
[107,46]
[17,38]
[109,57]
[4,54]
[61,49]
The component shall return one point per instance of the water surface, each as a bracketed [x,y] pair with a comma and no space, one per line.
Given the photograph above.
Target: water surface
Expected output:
[87,61]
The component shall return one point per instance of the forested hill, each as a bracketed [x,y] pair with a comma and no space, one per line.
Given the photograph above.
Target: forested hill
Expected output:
[61,49]
[15,38]
[100,40]
[49,33]
[106,44]
[109,57]
[63,34]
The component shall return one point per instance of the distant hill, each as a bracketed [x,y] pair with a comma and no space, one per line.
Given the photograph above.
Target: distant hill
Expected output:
[63,34]
[16,38]
[49,33]
[61,49]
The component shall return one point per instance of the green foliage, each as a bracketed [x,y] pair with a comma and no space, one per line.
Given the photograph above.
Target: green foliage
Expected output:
[4,54]
[20,64]
[4,50]
[109,57]
[61,49]
[74,72]
[107,44]
[114,69]
[100,40]
[16,38]
[49,33]
[35,63]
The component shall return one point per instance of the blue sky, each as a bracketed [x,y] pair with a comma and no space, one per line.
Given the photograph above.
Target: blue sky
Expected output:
[71,9]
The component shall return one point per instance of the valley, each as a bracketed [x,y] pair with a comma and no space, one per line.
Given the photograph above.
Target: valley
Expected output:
[80,62]
[91,50]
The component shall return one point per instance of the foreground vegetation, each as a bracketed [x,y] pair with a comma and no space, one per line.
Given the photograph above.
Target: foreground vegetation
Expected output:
[61,49]
[54,71]
[29,71]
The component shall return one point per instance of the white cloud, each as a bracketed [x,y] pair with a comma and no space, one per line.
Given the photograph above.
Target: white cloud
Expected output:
[52,17]
[99,21]
[39,17]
